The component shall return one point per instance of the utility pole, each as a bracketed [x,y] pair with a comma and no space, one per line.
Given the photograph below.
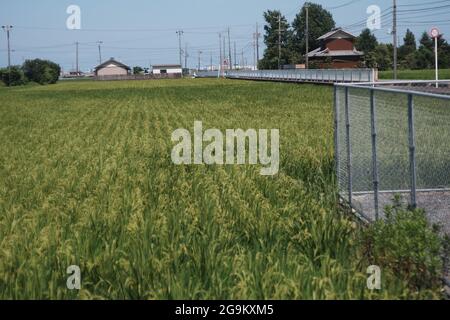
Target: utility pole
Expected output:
[199,59]
[394,34]
[186,55]
[180,33]
[230,64]
[8,30]
[211,63]
[307,34]
[279,41]
[242,59]
[76,59]
[220,53]
[257,45]
[235,58]
[254,52]
[224,49]
[99,52]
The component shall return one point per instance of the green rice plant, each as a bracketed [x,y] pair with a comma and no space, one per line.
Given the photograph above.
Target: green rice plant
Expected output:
[86,179]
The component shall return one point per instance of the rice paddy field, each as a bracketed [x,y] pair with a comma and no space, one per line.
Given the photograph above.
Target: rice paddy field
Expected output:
[86,179]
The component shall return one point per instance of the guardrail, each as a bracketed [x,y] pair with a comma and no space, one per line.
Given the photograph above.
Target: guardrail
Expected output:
[307,75]
[207,74]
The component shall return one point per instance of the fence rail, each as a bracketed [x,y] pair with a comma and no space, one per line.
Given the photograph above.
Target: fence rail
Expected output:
[392,138]
[306,75]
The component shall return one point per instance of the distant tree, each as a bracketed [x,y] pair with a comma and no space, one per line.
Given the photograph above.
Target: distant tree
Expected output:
[320,22]
[138,70]
[270,58]
[424,58]
[406,52]
[13,76]
[41,71]
[426,41]
[383,56]
[409,41]
[366,42]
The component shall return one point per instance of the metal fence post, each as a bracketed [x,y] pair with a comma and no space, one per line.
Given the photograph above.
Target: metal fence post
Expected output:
[336,134]
[349,148]
[374,153]
[412,150]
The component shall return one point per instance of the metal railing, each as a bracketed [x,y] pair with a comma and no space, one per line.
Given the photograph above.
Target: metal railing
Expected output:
[306,75]
[393,138]
[207,74]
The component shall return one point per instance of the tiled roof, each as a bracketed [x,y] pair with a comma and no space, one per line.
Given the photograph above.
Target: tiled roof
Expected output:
[157,66]
[333,32]
[112,61]
[334,53]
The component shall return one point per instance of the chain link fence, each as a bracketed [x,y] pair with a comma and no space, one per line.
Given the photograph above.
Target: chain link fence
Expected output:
[393,139]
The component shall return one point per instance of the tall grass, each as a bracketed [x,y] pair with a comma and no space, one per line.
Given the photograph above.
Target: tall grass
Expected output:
[86,179]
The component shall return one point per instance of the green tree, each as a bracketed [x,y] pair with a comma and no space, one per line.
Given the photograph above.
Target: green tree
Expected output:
[13,76]
[406,52]
[41,71]
[409,41]
[270,58]
[320,22]
[138,70]
[366,42]
[426,41]
[424,58]
[383,56]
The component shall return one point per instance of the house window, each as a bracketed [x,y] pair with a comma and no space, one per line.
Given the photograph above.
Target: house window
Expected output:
[163,71]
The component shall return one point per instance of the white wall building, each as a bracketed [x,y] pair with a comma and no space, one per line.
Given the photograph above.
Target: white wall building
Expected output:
[167,69]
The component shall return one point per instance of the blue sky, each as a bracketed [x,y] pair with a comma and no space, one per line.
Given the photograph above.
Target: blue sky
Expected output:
[140,32]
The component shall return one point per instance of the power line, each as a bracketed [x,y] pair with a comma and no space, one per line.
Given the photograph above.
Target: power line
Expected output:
[343,5]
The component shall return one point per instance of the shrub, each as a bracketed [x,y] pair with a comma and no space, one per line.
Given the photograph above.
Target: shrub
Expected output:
[41,71]
[13,76]
[405,245]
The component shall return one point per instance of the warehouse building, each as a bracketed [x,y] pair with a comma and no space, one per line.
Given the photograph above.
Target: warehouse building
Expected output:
[169,69]
[112,67]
